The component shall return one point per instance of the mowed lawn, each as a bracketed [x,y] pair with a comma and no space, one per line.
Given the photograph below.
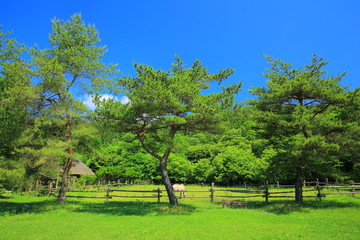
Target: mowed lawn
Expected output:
[26,217]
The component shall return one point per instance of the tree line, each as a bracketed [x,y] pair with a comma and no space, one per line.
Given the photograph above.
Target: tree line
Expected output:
[303,124]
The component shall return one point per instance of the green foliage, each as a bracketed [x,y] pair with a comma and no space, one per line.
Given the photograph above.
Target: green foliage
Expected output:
[349,139]
[87,180]
[229,160]
[119,158]
[204,171]
[13,178]
[74,56]
[235,164]
[161,100]
[197,152]
[180,169]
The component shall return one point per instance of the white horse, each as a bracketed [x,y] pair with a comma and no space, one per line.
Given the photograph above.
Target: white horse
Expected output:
[180,188]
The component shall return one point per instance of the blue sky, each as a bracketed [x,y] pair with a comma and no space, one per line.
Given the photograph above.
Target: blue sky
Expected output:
[222,33]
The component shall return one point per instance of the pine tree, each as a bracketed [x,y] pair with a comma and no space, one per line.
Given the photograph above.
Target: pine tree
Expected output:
[300,113]
[163,103]
[72,64]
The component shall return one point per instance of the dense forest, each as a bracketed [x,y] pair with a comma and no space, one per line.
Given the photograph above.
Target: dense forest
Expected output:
[303,125]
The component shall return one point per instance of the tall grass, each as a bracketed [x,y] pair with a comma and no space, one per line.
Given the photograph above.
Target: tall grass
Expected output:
[29,217]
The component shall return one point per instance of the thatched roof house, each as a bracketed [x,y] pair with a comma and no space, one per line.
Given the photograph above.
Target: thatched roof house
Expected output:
[79,168]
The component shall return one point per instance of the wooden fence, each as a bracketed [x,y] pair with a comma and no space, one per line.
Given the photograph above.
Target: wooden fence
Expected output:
[116,193]
[341,189]
[243,194]
[314,189]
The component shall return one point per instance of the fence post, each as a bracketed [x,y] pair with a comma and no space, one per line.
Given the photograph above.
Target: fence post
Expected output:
[31,186]
[318,188]
[212,194]
[353,188]
[278,184]
[327,181]
[107,193]
[159,195]
[68,183]
[37,185]
[304,184]
[317,183]
[50,187]
[267,192]
[73,184]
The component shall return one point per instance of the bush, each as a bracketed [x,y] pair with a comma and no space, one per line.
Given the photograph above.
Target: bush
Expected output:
[13,179]
[87,180]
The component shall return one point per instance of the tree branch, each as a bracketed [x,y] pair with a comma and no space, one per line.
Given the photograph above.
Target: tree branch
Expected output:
[72,82]
[139,135]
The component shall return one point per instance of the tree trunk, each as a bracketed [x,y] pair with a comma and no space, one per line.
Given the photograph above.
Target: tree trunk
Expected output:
[299,184]
[168,186]
[163,162]
[65,174]
[64,179]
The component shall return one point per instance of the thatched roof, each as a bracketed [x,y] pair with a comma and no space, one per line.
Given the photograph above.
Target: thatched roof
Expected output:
[79,168]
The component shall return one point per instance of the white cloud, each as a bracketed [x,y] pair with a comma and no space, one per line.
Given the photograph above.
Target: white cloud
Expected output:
[89,100]
[124,100]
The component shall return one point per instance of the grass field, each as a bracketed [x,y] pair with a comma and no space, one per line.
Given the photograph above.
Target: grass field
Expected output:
[28,217]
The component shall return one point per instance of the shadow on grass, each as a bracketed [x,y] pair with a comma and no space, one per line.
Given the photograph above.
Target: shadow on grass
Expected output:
[287,207]
[13,206]
[136,208]
[112,208]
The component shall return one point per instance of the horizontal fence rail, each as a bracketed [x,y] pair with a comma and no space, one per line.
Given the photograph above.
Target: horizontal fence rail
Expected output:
[320,189]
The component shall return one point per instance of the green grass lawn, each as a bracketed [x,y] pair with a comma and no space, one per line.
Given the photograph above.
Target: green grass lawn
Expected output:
[336,217]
